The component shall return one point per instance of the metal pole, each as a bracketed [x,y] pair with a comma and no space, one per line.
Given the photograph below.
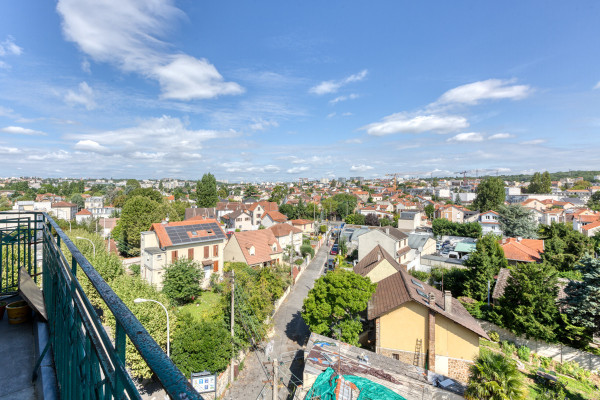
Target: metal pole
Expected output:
[166,312]
[275,379]
[93,245]
[231,371]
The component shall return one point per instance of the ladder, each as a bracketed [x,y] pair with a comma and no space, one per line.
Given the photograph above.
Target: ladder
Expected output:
[417,355]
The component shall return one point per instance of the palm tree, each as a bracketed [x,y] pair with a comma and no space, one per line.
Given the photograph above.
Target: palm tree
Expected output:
[494,377]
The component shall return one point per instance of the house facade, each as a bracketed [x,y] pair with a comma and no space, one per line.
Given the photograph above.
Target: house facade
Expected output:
[287,235]
[202,241]
[393,240]
[240,219]
[489,223]
[257,248]
[64,210]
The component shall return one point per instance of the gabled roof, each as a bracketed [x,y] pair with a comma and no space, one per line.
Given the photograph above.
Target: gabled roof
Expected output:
[262,240]
[591,226]
[203,212]
[84,212]
[63,204]
[301,221]
[280,230]
[266,205]
[372,260]
[185,232]
[524,250]
[276,216]
[400,288]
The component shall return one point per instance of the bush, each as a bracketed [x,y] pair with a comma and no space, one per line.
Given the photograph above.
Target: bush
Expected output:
[299,261]
[215,283]
[420,275]
[494,337]
[182,280]
[307,249]
[523,353]
[135,269]
[323,228]
[546,362]
[508,348]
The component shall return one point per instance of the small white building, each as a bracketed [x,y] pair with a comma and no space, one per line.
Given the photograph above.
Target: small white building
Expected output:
[489,223]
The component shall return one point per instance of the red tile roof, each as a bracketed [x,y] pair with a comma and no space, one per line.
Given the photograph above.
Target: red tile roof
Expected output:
[264,242]
[591,226]
[524,250]
[84,212]
[372,260]
[280,230]
[275,216]
[63,204]
[163,237]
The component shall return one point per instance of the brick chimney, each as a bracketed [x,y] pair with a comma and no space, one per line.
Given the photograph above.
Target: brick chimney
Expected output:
[379,257]
[431,298]
[448,301]
[387,231]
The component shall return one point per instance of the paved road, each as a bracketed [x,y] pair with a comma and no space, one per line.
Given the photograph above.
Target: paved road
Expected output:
[291,333]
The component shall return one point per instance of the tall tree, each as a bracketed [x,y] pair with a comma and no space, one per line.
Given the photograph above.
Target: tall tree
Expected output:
[563,246]
[484,263]
[77,199]
[517,221]
[346,203]
[529,302]
[490,194]
[429,211]
[278,193]
[333,306]
[594,201]
[372,220]
[494,376]
[138,215]
[546,185]
[535,185]
[583,298]
[251,191]
[206,191]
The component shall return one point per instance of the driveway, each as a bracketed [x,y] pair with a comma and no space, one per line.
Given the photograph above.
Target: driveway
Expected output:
[290,333]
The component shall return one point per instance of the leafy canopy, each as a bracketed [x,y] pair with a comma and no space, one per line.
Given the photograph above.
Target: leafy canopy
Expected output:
[484,263]
[517,221]
[583,298]
[182,280]
[206,191]
[333,305]
[493,376]
[490,194]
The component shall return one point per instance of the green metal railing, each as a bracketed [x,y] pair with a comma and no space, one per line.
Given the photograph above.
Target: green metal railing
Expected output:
[89,363]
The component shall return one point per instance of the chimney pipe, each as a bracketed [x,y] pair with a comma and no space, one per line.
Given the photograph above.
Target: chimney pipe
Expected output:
[379,257]
[387,231]
[432,298]
[448,301]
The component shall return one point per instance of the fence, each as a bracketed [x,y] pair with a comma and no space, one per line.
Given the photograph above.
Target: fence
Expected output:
[557,352]
[88,362]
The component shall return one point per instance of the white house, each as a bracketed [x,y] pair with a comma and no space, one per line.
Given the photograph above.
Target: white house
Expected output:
[489,223]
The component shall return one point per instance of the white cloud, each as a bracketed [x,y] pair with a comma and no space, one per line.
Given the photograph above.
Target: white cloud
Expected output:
[353,141]
[500,136]
[467,137]
[90,145]
[597,85]
[85,66]
[491,89]
[52,155]
[361,168]
[297,170]
[326,87]
[8,150]
[18,130]
[331,115]
[262,124]
[84,96]
[8,47]
[534,141]
[351,96]
[402,123]
[346,114]
[128,34]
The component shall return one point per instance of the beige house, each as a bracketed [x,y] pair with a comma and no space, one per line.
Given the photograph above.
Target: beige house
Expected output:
[452,213]
[305,225]
[64,210]
[257,211]
[377,265]
[417,324]
[410,220]
[271,218]
[287,234]
[393,240]
[240,219]
[202,241]
[257,248]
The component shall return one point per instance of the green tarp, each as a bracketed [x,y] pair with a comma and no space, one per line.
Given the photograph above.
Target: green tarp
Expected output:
[324,388]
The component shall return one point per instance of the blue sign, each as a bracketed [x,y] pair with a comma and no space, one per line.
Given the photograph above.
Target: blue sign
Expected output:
[204,382]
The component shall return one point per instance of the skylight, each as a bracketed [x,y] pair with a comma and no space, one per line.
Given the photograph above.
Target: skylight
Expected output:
[417,283]
[422,293]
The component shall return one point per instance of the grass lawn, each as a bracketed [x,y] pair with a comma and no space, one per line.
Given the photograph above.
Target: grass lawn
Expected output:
[206,307]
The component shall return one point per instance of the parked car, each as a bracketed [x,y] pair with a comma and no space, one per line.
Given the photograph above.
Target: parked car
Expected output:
[330,264]
[334,250]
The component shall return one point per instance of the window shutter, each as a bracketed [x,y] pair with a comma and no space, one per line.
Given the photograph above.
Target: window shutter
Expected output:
[190,254]
[206,252]
[216,266]
[216,250]
[174,256]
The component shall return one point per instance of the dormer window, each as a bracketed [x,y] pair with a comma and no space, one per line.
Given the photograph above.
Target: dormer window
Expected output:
[251,250]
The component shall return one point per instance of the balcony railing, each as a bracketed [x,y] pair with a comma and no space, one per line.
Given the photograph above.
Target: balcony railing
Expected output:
[89,363]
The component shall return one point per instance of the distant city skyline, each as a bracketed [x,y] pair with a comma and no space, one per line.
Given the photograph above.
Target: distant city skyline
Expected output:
[275,91]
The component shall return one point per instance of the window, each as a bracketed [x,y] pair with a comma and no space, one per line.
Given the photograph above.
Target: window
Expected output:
[216,250]
[190,254]
[174,255]
[396,356]
[206,252]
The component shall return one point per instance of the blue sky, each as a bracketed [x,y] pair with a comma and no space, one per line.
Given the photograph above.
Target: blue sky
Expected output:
[277,90]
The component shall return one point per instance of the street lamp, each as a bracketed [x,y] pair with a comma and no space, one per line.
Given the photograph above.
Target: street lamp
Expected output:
[138,300]
[93,245]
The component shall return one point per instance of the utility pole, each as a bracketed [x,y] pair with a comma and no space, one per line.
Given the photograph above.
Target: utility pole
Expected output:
[231,370]
[275,380]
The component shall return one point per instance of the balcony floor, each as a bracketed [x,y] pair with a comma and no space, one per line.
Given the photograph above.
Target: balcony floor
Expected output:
[17,350]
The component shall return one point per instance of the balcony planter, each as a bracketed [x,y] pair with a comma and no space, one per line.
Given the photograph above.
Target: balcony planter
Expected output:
[2,308]
[18,312]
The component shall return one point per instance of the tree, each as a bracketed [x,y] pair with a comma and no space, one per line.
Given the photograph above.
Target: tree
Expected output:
[443,227]
[494,376]
[4,204]
[146,192]
[251,191]
[77,199]
[429,211]
[138,215]
[181,282]
[330,205]
[278,193]
[206,191]
[223,193]
[307,249]
[484,263]
[490,194]
[288,210]
[546,183]
[372,220]
[201,346]
[333,306]
[517,221]
[346,203]
[529,302]
[583,298]
[134,183]
[343,246]
[594,201]
[355,219]
[563,246]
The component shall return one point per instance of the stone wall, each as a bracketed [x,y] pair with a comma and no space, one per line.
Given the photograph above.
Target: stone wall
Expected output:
[459,369]
[557,352]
